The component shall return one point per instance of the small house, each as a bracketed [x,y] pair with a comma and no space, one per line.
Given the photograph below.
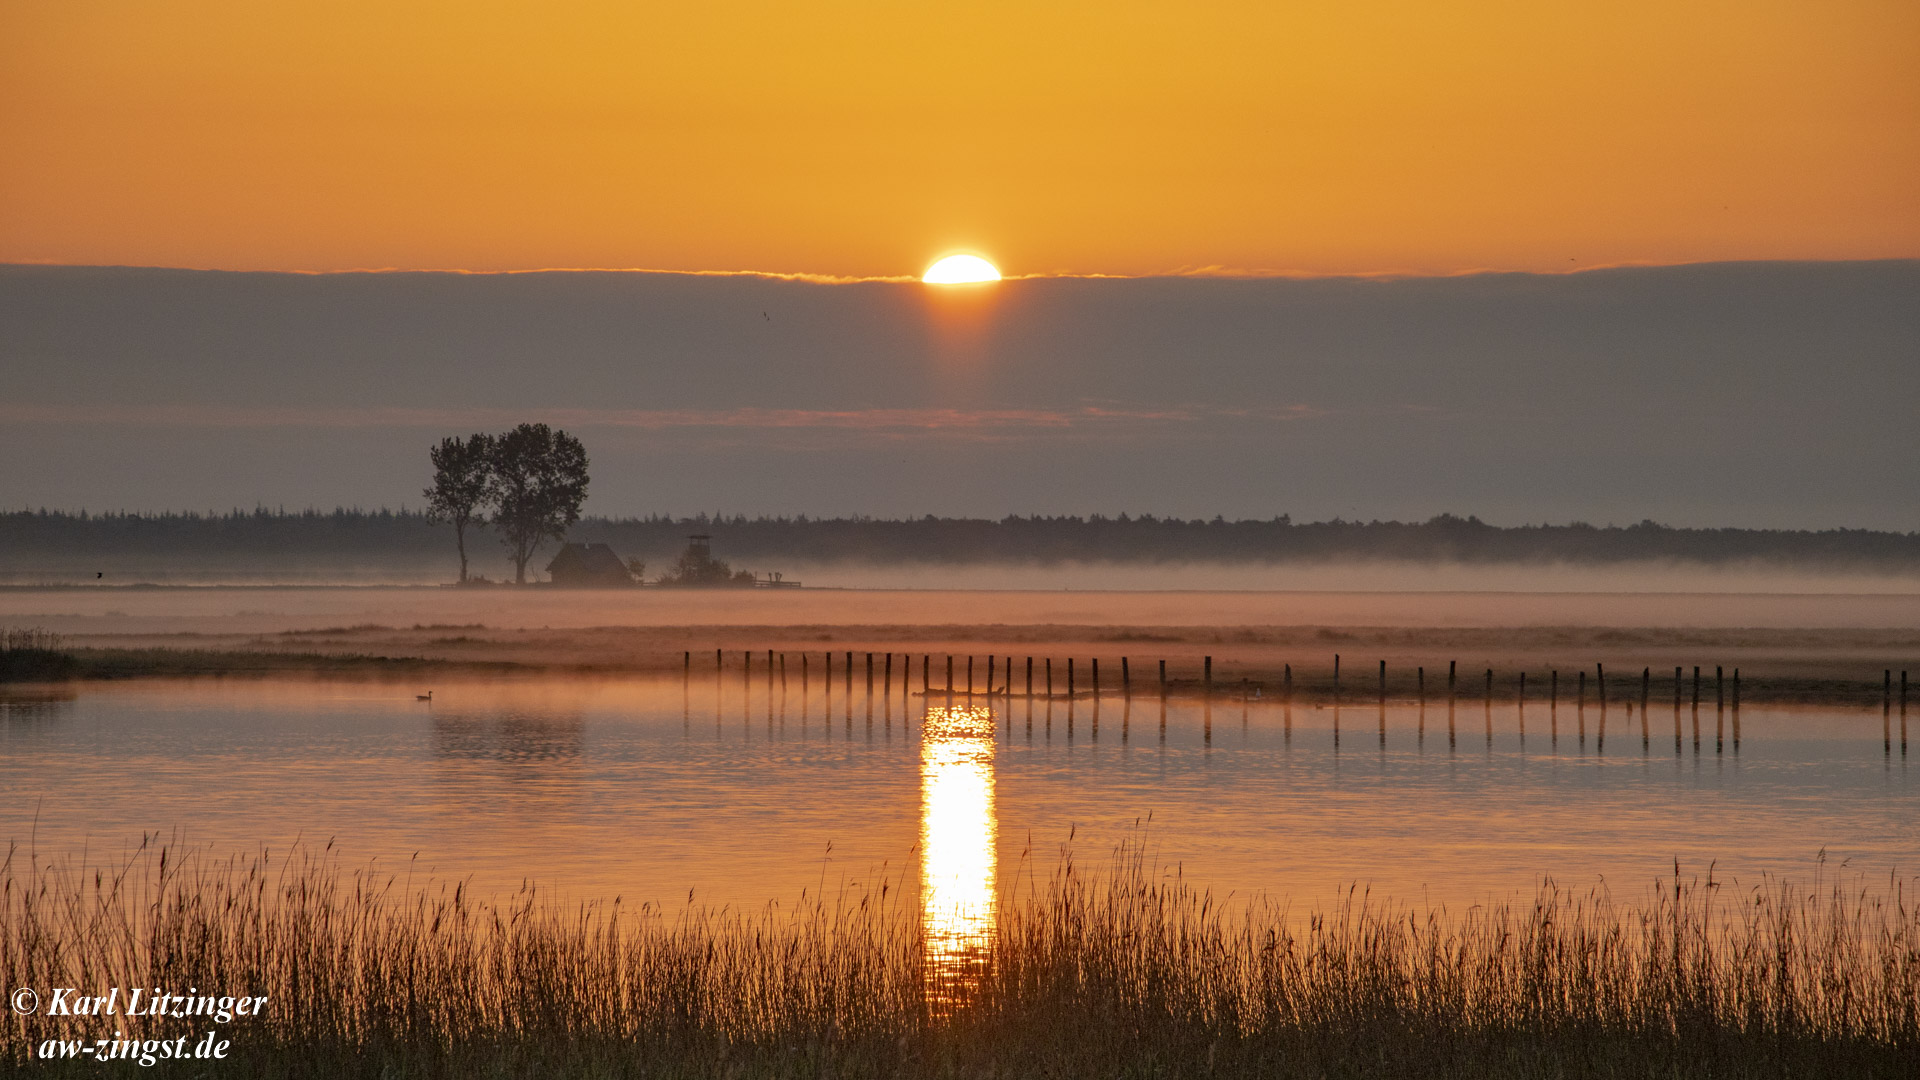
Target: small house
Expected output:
[589,566]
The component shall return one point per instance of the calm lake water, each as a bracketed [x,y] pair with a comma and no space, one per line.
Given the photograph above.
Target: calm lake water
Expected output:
[740,793]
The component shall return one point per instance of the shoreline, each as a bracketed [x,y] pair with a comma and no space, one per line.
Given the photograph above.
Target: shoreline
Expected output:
[1569,667]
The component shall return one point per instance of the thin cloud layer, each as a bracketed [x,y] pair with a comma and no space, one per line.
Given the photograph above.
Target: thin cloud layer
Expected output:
[1745,394]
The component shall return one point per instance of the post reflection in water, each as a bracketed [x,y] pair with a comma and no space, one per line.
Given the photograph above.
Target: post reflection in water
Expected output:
[958,839]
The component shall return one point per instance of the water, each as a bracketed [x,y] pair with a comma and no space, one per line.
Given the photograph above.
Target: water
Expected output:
[729,792]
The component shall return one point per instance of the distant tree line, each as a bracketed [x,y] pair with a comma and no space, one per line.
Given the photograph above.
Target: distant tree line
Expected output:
[341,535]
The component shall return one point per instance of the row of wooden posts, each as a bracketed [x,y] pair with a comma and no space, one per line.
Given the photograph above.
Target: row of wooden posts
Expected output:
[777,668]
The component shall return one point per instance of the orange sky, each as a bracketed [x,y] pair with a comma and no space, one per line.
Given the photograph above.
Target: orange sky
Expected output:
[858,137]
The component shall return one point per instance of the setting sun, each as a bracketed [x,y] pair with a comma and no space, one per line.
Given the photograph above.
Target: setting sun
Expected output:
[961,270]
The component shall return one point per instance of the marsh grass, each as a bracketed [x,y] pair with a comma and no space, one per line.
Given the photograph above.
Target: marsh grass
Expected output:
[31,654]
[1119,972]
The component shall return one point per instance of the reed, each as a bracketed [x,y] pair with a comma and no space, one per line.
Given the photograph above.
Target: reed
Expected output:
[32,654]
[1118,972]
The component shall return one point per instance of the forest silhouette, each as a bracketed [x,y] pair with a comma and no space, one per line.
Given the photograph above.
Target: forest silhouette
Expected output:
[32,536]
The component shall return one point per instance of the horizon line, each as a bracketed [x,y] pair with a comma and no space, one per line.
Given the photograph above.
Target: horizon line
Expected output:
[1212,271]
[722,518]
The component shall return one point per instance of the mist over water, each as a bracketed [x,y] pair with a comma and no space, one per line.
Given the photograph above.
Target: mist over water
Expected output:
[1668,576]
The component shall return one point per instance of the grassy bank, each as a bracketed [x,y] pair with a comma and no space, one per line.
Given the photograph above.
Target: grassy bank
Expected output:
[1119,973]
[1821,667]
[37,656]
[166,663]
[34,655]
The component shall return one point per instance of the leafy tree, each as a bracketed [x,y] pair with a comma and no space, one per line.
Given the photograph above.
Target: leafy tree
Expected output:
[462,476]
[539,481]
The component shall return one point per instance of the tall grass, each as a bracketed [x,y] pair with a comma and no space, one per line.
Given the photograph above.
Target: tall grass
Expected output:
[29,654]
[1117,972]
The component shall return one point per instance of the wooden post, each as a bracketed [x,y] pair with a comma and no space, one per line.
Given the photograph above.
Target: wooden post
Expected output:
[1600,677]
[1646,688]
[719,661]
[949,674]
[1383,682]
[1029,676]
[849,675]
[1487,707]
[1049,678]
[1645,735]
[1207,689]
[926,661]
[886,686]
[1126,680]
[969,674]
[1886,693]
[991,666]
[1696,711]
[1736,710]
[1602,681]
[1286,684]
[1553,690]
[1069,679]
[1163,680]
[1096,676]
[1719,729]
[686,672]
[804,677]
[1452,665]
[1677,679]
[1580,709]
[1719,688]
[1336,680]
[1523,692]
[869,674]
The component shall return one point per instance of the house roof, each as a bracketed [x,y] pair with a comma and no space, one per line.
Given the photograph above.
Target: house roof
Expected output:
[586,559]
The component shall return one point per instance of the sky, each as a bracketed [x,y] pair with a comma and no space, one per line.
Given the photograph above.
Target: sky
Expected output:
[1375,258]
[1774,394]
[861,138]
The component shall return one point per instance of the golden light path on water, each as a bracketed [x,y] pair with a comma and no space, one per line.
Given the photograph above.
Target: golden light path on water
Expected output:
[959,836]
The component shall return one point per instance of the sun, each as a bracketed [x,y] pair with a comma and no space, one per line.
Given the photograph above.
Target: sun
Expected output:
[960,270]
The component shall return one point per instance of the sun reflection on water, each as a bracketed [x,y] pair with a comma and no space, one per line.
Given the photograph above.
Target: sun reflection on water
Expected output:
[958,840]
